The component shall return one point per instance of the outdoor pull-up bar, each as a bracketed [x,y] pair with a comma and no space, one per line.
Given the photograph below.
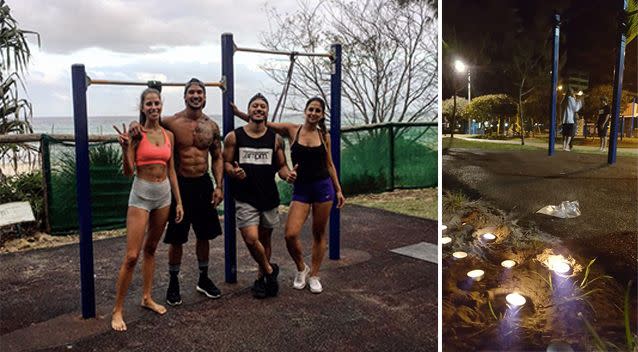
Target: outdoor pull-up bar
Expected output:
[617,85]
[80,83]
[228,50]
[91,81]
[287,53]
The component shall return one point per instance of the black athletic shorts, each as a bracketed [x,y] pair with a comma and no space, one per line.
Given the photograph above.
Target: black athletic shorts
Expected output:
[197,194]
[568,129]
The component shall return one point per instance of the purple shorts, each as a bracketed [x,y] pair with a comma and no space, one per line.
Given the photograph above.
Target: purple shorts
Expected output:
[314,192]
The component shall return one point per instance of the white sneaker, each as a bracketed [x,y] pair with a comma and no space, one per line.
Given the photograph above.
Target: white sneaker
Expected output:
[300,278]
[315,284]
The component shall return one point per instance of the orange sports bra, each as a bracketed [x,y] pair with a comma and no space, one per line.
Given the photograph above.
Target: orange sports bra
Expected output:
[148,153]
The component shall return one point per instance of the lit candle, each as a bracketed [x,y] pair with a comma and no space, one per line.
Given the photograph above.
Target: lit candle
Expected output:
[443,227]
[488,236]
[446,239]
[476,275]
[508,263]
[515,299]
[459,255]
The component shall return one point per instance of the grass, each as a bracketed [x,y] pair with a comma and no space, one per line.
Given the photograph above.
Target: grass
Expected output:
[415,202]
[463,143]
[533,144]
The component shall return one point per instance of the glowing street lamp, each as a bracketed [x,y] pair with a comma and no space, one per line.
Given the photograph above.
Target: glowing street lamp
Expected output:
[459,66]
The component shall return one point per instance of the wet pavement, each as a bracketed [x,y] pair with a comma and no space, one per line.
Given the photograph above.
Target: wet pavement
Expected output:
[520,183]
[373,299]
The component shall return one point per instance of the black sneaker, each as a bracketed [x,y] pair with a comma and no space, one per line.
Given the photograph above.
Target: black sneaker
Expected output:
[207,287]
[259,288]
[173,298]
[272,286]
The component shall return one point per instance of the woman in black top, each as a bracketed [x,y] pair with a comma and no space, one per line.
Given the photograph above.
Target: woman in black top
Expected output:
[316,186]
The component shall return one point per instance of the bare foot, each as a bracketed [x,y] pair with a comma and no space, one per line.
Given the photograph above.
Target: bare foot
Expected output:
[150,304]
[117,322]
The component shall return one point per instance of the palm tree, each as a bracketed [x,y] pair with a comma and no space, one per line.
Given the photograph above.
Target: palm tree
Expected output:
[15,111]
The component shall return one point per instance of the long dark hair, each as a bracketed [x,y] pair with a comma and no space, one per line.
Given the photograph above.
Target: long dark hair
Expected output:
[146,92]
[322,122]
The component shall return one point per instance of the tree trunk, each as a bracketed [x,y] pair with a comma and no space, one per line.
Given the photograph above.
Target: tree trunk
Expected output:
[520,114]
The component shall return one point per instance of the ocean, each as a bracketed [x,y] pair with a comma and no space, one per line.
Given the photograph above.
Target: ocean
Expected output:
[104,124]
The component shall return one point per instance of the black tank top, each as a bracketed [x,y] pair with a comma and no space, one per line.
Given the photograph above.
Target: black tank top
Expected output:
[313,164]
[257,158]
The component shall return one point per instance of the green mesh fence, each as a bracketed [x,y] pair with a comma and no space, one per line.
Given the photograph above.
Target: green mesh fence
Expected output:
[384,157]
[109,187]
[373,159]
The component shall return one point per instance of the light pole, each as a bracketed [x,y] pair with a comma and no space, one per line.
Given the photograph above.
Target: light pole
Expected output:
[460,67]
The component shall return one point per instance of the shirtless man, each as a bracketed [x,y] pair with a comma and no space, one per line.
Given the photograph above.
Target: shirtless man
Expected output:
[196,135]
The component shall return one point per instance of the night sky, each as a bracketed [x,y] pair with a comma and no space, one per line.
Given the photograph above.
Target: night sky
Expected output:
[473,31]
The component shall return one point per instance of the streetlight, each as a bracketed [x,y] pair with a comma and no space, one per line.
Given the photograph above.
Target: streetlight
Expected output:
[461,67]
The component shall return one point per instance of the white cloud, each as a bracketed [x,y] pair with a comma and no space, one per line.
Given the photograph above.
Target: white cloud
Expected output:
[139,40]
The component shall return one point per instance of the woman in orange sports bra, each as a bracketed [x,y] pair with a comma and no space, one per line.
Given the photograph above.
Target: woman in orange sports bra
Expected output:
[152,159]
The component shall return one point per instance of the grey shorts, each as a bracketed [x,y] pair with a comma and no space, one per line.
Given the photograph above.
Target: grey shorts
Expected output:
[150,195]
[247,215]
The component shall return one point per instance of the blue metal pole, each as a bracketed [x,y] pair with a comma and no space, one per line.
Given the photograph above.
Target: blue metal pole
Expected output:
[552,113]
[633,114]
[335,138]
[82,177]
[615,105]
[230,241]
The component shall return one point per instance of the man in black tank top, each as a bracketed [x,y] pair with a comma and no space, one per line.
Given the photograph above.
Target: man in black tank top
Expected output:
[252,156]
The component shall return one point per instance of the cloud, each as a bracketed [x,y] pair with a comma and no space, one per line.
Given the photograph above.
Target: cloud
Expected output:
[140,26]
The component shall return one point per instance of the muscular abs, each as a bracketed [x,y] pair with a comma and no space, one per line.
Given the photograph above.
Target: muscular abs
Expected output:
[193,140]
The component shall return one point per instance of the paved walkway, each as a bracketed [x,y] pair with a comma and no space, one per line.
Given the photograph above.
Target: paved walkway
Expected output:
[374,299]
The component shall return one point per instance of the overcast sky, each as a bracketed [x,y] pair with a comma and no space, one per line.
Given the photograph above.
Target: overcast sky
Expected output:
[140,40]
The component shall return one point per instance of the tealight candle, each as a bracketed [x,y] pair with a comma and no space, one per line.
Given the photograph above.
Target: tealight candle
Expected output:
[459,255]
[476,275]
[446,239]
[488,236]
[508,263]
[515,299]
[443,227]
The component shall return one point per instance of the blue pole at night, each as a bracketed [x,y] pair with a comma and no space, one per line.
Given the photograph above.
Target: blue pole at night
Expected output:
[615,105]
[230,241]
[335,138]
[82,177]
[552,120]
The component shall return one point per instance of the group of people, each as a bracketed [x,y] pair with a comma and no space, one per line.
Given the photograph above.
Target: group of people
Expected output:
[571,106]
[170,160]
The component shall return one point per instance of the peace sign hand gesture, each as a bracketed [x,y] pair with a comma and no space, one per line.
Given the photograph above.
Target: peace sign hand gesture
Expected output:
[122,136]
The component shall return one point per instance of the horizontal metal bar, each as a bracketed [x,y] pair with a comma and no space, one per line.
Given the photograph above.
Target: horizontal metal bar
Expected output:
[37,137]
[389,124]
[287,53]
[132,83]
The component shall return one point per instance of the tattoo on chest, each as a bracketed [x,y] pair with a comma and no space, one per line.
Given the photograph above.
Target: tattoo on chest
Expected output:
[204,134]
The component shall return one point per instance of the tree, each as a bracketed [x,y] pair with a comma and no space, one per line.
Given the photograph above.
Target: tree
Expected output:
[490,108]
[451,109]
[389,57]
[14,57]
